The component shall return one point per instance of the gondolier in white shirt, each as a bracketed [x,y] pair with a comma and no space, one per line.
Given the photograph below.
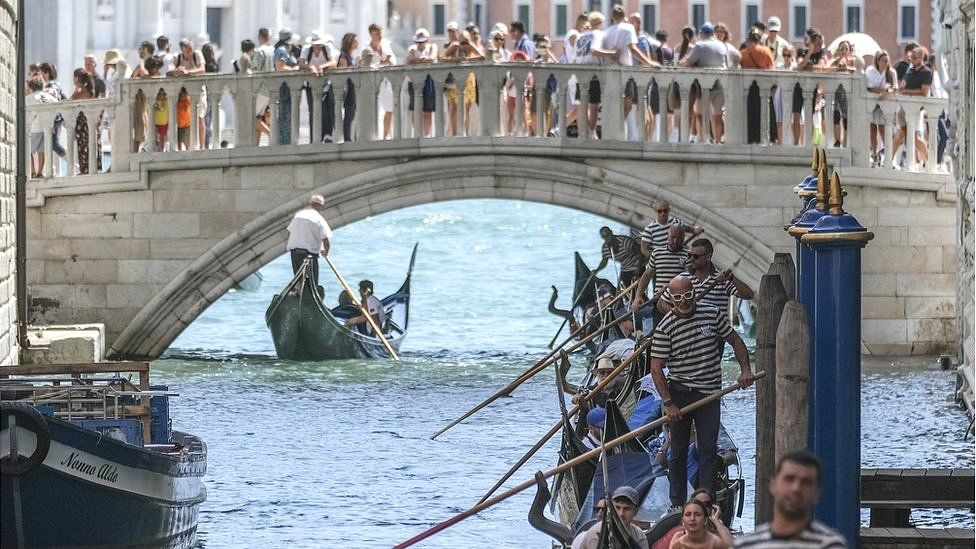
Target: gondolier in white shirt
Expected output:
[309,235]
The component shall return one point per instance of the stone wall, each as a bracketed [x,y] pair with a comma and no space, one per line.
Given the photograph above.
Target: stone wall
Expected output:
[8,163]
[147,262]
[958,37]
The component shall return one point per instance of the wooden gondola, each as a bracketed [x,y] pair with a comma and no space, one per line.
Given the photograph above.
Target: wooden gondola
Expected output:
[303,328]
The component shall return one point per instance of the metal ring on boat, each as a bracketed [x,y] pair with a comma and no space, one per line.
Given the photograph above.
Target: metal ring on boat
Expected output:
[29,418]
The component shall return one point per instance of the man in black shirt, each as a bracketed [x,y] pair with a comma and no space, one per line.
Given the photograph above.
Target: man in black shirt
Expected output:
[917,81]
[812,57]
[901,67]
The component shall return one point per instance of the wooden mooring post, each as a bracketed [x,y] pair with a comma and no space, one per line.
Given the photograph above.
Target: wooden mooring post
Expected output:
[770,300]
[783,266]
[792,379]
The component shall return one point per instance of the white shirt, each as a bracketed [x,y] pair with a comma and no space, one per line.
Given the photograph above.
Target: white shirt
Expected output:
[619,37]
[585,44]
[414,52]
[38,98]
[307,230]
[876,78]
[569,49]
[169,63]
[386,48]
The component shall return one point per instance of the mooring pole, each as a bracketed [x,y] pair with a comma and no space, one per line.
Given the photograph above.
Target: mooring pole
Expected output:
[805,279]
[20,199]
[835,382]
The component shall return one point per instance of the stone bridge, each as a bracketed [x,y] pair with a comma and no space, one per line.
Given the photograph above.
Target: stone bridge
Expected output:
[148,245]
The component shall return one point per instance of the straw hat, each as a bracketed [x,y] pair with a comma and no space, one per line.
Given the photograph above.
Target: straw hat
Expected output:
[112,57]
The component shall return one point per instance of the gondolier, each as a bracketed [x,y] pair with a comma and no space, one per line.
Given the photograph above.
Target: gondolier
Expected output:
[309,235]
[620,249]
[685,343]
[706,276]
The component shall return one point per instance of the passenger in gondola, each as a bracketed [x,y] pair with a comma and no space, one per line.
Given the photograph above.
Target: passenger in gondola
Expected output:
[372,304]
[596,420]
[625,502]
[309,235]
[694,520]
[599,511]
[623,330]
[623,250]
[604,367]
[713,522]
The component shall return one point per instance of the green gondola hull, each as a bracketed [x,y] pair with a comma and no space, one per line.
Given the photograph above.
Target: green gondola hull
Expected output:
[303,328]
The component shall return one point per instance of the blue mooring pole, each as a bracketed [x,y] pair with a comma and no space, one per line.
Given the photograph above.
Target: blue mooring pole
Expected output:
[835,381]
[815,199]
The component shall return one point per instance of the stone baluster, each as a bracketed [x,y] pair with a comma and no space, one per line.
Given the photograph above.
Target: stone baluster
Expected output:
[70,143]
[612,85]
[273,125]
[585,81]
[860,107]
[315,111]
[640,106]
[217,100]
[245,112]
[765,96]
[736,89]
[367,104]
[932,138]
[93,119]
[196,121]
[121,132]
[297,91]
[172,98]
[684,122]
[911,117]
[399,92]
[541,92]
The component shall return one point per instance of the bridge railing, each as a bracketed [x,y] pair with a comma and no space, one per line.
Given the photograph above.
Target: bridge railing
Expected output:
[652,110]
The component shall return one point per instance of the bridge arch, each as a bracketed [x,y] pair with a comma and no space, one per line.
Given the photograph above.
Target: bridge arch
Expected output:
[610,193]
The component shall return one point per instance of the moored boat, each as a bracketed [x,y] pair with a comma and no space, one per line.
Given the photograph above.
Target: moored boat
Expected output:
[92,461]
[304,328]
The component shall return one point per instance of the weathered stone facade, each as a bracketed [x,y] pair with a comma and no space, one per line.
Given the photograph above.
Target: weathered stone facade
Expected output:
[958,36]
[8,183]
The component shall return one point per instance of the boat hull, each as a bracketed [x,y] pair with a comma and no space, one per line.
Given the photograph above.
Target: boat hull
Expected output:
[91,491]
[303,329]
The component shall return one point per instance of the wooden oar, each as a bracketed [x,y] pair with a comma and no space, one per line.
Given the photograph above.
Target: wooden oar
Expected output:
[539,366]
[568,465]
[575,302]
[362,309]
[559,425]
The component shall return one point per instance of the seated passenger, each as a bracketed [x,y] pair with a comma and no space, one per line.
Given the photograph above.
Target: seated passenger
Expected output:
[372,304]
[625,502]
[596,419]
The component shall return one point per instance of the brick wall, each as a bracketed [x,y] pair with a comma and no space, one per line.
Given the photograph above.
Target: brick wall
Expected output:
[8,163]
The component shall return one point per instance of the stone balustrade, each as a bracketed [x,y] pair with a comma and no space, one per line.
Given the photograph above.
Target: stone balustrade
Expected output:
[303,107]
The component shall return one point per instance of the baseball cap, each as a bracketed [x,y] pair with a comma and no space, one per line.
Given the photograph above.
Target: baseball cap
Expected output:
[452,26]
[597,417]
[774,23]
[421,35]
[284,35]
[626,492]
[707,29]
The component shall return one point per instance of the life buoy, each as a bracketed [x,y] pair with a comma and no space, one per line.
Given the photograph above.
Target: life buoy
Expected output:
[28,417]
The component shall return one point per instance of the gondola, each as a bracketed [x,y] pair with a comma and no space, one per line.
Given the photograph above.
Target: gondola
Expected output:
[585,287]
[573,493]
[303,328]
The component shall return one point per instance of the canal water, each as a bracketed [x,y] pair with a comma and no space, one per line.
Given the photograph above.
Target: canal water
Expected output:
[338,454]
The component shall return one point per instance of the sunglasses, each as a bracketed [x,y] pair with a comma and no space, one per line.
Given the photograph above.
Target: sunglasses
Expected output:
[687,296]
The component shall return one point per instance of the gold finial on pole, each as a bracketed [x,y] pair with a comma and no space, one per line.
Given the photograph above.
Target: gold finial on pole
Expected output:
[815,161]
[836,198]
[823,192]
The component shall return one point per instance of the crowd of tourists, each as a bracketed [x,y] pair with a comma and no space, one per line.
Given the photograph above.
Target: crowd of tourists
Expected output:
[621,41]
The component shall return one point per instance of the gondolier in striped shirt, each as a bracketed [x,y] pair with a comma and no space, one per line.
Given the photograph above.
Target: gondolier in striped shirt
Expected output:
[706,276]
[685,343]
[665,263]
[655,234]
[623,250]
[309,235]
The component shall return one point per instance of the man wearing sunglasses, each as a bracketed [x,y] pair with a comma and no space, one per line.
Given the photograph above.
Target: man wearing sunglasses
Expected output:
[685,342]
[706,276]
[655,234]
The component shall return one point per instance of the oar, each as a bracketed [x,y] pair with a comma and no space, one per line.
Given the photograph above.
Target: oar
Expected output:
[363,309]
[559,425]
[539,366]
[568,465]
[575,302]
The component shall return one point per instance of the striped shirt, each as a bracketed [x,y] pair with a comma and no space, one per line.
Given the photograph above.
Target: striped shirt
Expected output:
[717,297]
[624,251]
[666,265]
[815,536]
[688,347]
[656,234]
